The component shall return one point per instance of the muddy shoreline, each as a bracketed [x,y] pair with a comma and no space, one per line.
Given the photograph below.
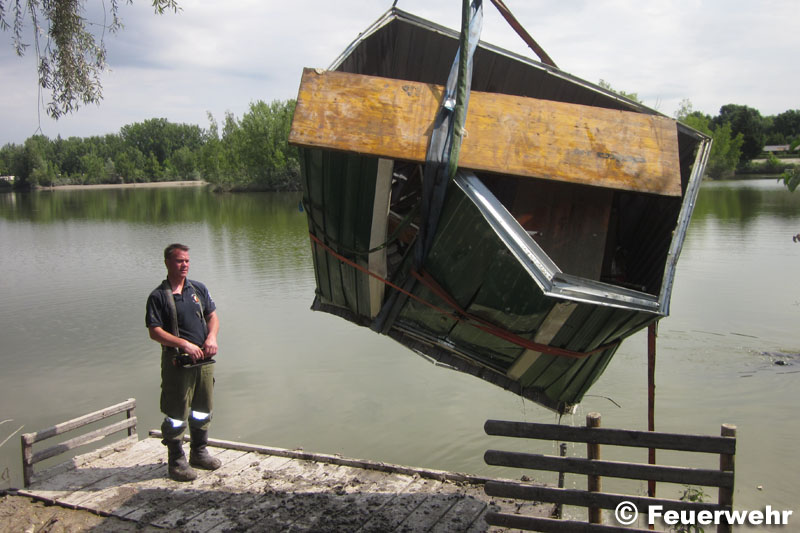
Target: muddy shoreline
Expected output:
[146,185]
[21,513]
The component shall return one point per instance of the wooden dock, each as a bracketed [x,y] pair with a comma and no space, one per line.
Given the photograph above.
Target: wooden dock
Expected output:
[270,489]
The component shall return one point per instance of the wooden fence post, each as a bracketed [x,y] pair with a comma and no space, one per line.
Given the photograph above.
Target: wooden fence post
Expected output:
[131,413]
[27,458]
[593,483]
[562,452]
[726,464]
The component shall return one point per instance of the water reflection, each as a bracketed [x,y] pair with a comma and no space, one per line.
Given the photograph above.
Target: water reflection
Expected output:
[176,205]
[77,266]
[741,202]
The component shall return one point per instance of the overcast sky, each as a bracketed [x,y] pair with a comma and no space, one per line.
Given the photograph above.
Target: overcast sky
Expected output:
[218,56]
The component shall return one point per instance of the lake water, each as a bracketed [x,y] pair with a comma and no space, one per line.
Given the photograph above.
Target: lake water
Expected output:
[76,268]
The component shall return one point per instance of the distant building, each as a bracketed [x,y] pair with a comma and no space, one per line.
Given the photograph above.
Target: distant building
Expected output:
[776,148]
[9,179]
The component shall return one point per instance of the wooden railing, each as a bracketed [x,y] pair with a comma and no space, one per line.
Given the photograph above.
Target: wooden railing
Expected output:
[29,458]
[594,468]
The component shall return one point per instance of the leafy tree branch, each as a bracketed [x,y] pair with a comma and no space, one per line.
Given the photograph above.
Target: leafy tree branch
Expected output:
[70,49]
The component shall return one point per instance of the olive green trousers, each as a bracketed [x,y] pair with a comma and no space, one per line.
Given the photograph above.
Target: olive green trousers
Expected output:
[186,395]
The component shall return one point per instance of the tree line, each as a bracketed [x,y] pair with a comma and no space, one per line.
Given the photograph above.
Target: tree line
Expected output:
[250,152]
[253,152]
[740,134]
[247,153]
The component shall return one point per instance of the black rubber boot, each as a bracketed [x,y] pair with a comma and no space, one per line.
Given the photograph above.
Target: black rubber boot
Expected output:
[178,468]
[199,455]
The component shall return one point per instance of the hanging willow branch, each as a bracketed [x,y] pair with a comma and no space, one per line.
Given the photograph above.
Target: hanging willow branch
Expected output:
[70,50]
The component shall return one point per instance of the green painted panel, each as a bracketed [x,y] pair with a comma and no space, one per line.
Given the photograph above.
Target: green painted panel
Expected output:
[333,168]
[590,374]
[305,174]
[425,317]
[531,376]
[452,263]
[339,189]
[477,270]
[463,250]
[601,322]
[602,326]
[549,369]
[472,265]
[583,376]
[465,256]
[494,350]
[589,332]
[511,298]
[357,172]
[313,164]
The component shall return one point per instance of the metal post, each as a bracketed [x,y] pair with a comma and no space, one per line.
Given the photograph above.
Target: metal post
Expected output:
[652,333]
[651,398]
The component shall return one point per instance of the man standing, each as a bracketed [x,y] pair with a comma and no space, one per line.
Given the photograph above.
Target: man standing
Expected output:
[181,316]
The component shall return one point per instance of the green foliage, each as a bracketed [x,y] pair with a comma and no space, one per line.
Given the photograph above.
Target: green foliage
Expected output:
[749,123]
[33,163]
[695,495]
[129,165]
[791,177]
[773,163]
[784,127]
[725,148]
[756,131]
[73,55]
[630,96]
[685,109]
[251,154]
[161,138]
[268,160]
[5,160]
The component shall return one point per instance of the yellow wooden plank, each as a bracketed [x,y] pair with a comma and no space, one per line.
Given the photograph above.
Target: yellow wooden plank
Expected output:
[505,134]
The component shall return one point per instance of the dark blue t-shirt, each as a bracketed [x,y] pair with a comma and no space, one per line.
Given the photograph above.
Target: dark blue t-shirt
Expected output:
[190,313]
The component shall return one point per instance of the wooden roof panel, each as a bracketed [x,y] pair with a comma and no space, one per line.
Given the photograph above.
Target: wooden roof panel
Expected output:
[506,134]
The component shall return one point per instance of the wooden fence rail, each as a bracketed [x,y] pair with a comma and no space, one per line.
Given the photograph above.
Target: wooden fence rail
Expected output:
[594,499]
[29,458]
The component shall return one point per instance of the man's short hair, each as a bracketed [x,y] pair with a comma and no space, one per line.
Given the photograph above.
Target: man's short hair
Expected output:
[172,247]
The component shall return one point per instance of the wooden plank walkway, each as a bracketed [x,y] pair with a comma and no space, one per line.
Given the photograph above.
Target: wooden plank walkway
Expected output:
[271,489]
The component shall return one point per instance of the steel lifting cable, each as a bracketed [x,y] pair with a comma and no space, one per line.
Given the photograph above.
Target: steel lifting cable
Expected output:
[461,315]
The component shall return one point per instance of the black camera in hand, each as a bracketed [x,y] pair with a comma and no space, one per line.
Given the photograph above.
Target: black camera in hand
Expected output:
[185,360]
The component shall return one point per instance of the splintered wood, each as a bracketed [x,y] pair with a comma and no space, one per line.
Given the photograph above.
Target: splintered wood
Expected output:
[254,490]
[505,134]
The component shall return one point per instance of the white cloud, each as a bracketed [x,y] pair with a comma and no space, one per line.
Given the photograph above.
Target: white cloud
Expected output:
[220,56]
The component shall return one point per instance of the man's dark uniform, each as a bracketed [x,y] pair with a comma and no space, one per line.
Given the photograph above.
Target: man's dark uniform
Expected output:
[186,393]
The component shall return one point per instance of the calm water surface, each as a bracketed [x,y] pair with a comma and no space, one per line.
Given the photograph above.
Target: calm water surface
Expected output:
[76,268]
